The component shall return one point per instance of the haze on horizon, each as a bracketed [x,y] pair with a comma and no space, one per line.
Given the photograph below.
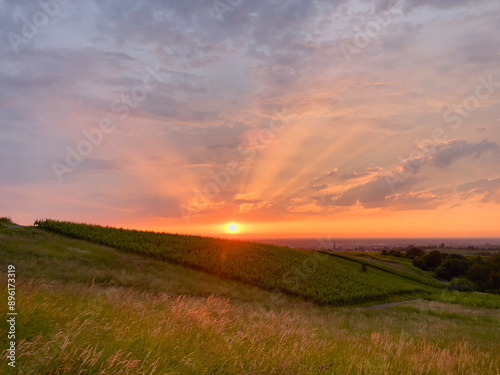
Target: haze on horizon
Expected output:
[287,118]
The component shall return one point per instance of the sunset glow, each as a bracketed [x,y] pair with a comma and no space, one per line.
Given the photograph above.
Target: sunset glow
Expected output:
[233,228]
[274,115]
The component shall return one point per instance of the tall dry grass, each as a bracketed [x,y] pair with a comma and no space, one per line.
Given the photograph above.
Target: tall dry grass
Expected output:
[77,329]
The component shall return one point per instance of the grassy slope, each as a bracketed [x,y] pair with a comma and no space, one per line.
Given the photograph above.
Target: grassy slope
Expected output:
[476,299]
[315,276]
[142,316]
[41,255]
[400,268]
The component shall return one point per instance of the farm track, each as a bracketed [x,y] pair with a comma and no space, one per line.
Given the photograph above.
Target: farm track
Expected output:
[385,305]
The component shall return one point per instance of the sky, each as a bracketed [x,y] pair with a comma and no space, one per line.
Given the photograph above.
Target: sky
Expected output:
[288,118]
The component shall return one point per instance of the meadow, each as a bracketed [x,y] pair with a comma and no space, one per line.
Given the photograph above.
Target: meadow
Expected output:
[476,299]
[399,267]
[86,308]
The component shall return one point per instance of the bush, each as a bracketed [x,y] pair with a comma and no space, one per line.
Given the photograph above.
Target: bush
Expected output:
[6,220]
[462,284]
[419,263]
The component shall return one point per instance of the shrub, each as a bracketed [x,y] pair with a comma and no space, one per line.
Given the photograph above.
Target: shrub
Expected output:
[462,284]
[6,220]
[419,262]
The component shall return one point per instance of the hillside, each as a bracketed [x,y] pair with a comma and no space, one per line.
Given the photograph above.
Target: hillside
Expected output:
[402,267]
[307,274]
[88,307]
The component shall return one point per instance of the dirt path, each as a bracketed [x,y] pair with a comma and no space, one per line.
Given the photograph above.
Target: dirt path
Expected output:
[384,305]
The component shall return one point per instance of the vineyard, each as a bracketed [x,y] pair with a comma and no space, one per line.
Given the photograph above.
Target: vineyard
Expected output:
[421,278]
[314,276]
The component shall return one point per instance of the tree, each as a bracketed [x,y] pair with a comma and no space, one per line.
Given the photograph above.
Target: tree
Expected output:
[495,280]
[433,259]
[455,256]
[414,252]
[495,263]
[451,268]
[419,262]
[479,273]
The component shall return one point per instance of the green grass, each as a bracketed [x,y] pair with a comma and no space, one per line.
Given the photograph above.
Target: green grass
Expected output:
[407,264]
[472,299]
[307,274]
[406,270]
[87,308]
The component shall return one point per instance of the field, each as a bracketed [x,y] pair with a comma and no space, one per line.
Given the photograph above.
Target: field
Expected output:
[400,267]
[491,301]
[90,309]
[312,275]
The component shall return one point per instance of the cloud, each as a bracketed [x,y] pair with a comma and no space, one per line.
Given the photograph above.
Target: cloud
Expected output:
[326,177]
[378,191]
[161,207]
[365,173]
[487,189]
[409,5]
[442,4]
[103,164]
[223,79]
[453,150]
[375,193]
[319,187]
[419,200]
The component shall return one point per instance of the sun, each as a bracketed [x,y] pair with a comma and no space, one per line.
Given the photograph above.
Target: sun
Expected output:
[232,228]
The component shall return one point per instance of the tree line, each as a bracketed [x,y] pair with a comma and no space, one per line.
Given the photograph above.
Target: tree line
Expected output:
[465,273]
